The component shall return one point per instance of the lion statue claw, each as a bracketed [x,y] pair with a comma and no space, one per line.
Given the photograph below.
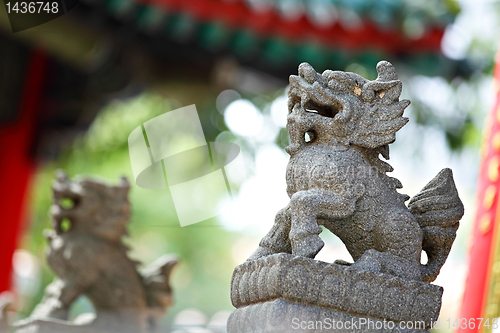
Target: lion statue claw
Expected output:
[339,124]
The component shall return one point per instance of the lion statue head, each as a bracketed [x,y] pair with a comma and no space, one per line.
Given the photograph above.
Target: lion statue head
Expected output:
[355,111]
[90,206]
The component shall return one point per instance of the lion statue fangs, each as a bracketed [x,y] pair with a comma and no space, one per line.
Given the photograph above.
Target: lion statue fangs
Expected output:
[337,179]
[90,259]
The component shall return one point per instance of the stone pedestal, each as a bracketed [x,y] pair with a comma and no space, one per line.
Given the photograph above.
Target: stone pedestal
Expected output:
[286,293]
[107,322]
[51,326]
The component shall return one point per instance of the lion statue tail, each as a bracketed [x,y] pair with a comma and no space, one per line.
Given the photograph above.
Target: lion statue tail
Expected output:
[156,281]
[438,210]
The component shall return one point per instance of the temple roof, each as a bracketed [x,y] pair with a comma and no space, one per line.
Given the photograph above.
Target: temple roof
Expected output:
[387,25]
[276,35]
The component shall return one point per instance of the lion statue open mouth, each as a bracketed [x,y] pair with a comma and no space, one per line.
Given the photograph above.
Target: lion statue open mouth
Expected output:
[339,124]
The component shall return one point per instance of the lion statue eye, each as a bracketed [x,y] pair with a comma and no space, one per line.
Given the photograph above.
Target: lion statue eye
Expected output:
[310,136]
[67,203]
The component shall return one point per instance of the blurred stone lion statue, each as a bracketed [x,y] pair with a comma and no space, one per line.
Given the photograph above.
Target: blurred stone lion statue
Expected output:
[89,258]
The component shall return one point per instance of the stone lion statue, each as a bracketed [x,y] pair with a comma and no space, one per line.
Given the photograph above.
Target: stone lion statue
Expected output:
[339,124]
[87,254]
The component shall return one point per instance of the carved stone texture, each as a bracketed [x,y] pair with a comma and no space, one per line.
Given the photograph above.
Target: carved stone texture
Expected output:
[87,254]
[339,125]
[266,292]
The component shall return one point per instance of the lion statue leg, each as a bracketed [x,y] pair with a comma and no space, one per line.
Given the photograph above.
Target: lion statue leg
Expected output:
[59,296]
[295,228]
[398,247]
[304,231]
[276,240]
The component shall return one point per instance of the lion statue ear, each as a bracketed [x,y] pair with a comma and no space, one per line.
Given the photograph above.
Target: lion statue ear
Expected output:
[386,89]
[386,71]
[61,176]
[385,116]
[124,186]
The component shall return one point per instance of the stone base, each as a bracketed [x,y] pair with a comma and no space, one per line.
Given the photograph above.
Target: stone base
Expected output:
[282,316]
[271,291]
[51,326]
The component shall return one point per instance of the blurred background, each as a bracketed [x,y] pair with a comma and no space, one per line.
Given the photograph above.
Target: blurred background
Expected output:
[72,90]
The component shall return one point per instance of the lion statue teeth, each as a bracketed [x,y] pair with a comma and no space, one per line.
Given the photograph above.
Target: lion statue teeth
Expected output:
[87,254]
[339,125]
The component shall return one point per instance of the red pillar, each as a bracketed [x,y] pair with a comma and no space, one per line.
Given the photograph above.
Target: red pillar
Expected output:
[17,166]
[485,241]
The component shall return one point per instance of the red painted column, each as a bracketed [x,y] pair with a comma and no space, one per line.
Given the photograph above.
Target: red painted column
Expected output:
[485,239]
[16,165]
